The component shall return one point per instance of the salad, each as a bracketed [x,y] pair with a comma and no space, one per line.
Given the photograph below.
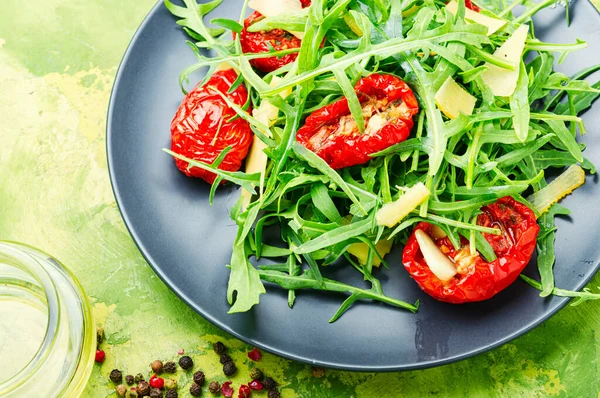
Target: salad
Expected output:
[353,126]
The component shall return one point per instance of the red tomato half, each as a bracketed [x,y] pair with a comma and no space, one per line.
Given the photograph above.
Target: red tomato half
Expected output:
[388,108]
[477,279]
[201,128]
[264,42]
[469,4]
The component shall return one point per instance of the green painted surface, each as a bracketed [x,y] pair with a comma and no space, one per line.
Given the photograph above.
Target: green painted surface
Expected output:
[58,59]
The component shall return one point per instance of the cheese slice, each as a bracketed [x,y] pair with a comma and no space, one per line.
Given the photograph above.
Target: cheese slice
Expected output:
[273,8]
[453,100]
[503,82]
[361,251]
[392,213]
[493,24]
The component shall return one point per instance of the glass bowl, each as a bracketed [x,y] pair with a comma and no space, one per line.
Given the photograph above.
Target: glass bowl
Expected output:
[47,332]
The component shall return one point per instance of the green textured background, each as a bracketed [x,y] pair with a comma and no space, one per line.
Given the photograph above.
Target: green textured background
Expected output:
[58,59]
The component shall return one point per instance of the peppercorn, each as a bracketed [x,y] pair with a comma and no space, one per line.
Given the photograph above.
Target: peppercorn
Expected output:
[157,366]
[99,335]
[139,377]
[244,391]
[131,394]
[156,393]
[318,372]
[219,348]
[186,362]
[256,374]
[199,378]
[214,387]
[274,393]
[143,388]
[170,367]
[195,390]
[100,356]
[129,379]
[229,368]
[171,394]
[116,376]
[269,383]
[225,358]
[171,384]
[121,390]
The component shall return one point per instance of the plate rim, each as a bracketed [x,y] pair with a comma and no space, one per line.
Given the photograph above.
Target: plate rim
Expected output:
[561,301]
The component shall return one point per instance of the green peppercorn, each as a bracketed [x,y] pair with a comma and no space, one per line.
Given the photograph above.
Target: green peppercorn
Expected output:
[143,388]
[157,367]
[99,335]
[170,367]
[229,368]
[138,377]
[214,387]
[131,394]
[199,378]
[116,376]
[195,390]
[171,384]
[129,379]
[171,394]
[219,348]
[274,393]
[256,374]
[225,358]
[121,390]
[156,393]
[186,362]
[269,383]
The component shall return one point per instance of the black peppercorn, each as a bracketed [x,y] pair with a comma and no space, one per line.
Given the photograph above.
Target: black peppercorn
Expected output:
[116,376]
[219,348]
[225,358]
[156,393]
[99,335]
[143,388]
[157,367]
[195,390]
[274,393]
[129,379]
[229,368]
[138,377]
[269,383]
[214,387]
[186,362]
[170,367]
[256,374]
[171,394]
[199,378]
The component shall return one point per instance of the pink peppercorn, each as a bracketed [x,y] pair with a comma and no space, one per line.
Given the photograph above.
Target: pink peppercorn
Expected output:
[254,355]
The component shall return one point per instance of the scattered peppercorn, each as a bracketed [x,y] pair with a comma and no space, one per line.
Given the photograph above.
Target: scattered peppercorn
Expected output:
[139,377]
[170,367]
[269,383]
[116,376]
[171,394]
[199,378]
[229,368]
[157,366]
[274,393]
[131,394]
[219,348]
[214,387]
[195,390]
[129,379]
[186,362]
[256,373]
[171,384]
[244,391]
[100,356]
[157,382]
[121,390]
[143,388]
[156,393]
[225,358]
[226,389]
[318,372]
[99,335]
[180,352]
[254,355]
[256,385]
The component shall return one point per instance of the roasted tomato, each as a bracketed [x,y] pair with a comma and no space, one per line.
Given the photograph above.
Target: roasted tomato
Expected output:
[202,127]
[469,4]
[476,279]
[388,108]
[264,42]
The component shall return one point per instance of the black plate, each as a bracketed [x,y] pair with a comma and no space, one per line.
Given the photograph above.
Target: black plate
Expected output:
[188,242]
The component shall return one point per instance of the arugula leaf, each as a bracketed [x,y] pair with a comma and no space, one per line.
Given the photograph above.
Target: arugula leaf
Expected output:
[245,280]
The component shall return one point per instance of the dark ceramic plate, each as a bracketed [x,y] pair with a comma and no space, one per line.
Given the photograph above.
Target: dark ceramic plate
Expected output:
[188,242]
